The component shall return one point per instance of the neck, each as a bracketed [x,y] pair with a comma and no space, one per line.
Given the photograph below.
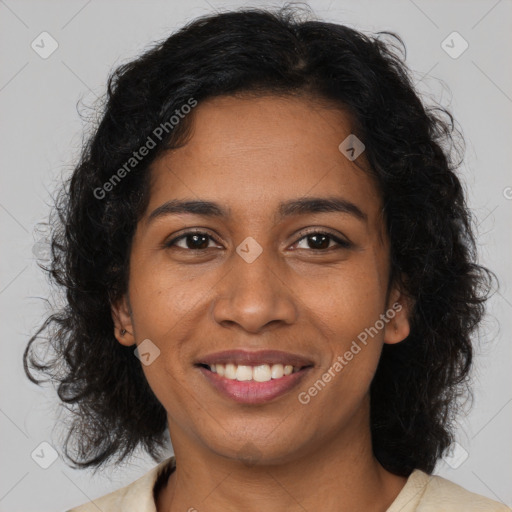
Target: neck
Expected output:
[341,475]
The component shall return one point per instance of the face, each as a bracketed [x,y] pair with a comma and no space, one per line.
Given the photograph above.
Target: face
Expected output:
[262,285]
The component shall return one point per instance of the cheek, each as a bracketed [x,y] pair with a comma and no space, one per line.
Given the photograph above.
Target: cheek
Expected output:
[162,298]
[161,309]
[348,308]
[350,301]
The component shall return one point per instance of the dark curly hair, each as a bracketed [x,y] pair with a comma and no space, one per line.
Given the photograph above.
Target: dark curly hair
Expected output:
[410,150]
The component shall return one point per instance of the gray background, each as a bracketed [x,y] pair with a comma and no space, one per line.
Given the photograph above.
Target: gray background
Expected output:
[41,135]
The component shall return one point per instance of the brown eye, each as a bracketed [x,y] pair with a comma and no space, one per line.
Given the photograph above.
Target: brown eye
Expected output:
[197,241]
[320,241]
[193,240]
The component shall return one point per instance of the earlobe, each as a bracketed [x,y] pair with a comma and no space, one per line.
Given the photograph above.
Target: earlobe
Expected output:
[123,325]
[398,313]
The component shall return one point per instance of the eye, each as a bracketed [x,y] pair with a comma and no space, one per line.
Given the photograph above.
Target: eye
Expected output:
[193,241]
[317,241]
[320,241]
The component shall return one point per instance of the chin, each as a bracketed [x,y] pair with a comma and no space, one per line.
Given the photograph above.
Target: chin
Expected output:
[263,450]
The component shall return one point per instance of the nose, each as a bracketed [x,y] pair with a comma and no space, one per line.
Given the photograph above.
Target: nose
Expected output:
[254,296]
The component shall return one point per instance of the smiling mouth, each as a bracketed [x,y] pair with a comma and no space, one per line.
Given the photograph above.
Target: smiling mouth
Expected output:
[253,377]
[256,373]
[253,384]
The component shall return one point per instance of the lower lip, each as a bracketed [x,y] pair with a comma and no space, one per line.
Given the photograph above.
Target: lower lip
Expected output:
[252,392]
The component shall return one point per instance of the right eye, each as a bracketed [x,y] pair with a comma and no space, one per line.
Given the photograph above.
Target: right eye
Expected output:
[194,241]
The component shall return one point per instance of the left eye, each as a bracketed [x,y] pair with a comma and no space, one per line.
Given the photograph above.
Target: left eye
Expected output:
[321,240]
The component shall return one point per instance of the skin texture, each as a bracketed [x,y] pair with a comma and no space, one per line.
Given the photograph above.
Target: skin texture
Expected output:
[250,154]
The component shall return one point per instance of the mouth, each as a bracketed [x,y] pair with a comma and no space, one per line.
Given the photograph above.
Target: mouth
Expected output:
[259,373]
[253,377]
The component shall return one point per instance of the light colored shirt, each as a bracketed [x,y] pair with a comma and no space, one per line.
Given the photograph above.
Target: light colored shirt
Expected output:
[421,493]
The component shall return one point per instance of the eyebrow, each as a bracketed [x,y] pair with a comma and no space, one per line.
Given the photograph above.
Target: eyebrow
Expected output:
[286,209]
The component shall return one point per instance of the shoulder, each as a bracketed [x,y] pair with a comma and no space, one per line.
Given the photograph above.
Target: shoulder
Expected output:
[439,494]
[135,497]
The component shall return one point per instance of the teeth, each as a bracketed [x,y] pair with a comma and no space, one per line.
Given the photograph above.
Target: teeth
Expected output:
[260,373]
[243,373]
[230,372]
[277,371]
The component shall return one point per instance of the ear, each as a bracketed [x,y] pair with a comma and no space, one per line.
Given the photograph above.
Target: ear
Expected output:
[398,310]
[123,324]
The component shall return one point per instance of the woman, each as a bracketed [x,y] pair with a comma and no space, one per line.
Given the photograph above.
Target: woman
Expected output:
[267,255]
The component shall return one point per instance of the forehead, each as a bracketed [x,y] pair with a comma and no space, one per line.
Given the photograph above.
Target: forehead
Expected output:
[252,154]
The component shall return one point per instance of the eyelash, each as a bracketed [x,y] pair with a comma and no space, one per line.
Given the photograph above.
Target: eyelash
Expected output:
[342,244]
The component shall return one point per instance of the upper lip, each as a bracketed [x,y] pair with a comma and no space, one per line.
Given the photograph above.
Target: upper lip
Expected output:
[244,357]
